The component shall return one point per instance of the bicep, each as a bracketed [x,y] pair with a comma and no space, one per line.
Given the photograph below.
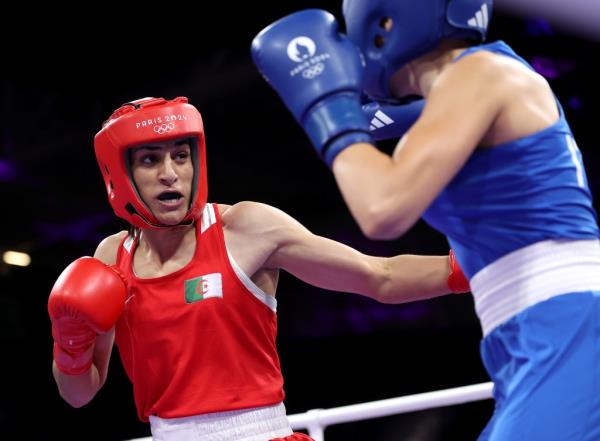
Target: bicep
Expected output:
[281,242]
[326,263]
[460,109]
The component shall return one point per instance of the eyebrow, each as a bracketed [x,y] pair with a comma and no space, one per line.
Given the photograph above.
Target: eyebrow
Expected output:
[146,147]
[155,147]
[183,141]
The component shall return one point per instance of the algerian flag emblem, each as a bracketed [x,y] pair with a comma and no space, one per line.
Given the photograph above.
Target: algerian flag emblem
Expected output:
[203,287]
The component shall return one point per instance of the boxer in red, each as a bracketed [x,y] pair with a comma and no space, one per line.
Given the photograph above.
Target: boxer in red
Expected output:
[188,294]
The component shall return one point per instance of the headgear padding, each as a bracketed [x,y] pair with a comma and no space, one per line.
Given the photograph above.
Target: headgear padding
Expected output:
[415,28]
[149,121]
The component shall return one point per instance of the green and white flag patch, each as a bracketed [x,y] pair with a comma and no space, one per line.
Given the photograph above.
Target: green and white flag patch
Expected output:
[203,287]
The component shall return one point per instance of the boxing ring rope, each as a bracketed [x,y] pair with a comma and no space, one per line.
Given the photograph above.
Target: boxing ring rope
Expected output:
[316,420]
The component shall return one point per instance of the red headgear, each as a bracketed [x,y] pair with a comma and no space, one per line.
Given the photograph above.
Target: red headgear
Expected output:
[147,121]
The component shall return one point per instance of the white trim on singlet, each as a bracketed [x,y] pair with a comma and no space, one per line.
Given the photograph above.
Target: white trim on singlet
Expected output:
[268,300]
[208,217]
[533,274]
[254,424]
[128,243]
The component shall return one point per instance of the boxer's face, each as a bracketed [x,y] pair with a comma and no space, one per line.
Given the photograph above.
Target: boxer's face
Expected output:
[163,174]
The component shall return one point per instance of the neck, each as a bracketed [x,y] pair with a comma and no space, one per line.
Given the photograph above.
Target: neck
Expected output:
[163,244]
[420,74]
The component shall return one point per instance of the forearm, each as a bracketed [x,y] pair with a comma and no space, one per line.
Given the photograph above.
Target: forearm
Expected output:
[398,279]
[376,195]
[77,390]
[408,278]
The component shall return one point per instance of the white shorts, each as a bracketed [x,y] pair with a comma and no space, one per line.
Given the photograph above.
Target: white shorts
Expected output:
[255,424]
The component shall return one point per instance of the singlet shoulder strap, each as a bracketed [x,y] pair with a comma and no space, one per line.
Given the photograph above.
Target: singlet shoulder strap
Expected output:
[125,252]
[209,217]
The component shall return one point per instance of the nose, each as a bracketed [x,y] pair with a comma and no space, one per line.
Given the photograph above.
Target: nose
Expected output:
[167,172]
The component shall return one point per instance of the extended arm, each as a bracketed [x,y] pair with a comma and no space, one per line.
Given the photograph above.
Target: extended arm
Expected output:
[284,243]
[331,265]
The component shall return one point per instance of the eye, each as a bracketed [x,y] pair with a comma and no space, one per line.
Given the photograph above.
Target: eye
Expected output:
[148,159]
[181,155]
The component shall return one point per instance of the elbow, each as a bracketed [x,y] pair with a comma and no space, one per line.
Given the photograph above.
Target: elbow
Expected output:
[382,223]
[76,390]
[76,401]
[378,232]
[77,396]
[77,404]
[385,298]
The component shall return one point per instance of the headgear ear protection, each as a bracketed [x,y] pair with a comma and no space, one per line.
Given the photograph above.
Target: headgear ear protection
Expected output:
[147,121]
[390,33]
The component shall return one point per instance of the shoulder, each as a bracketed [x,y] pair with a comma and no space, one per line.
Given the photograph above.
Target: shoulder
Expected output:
[490,72]
[107,249]
[247,213]
[477,68]
[256,218]
[477,83]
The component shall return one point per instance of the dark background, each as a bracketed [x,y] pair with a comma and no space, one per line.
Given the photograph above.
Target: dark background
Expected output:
[63,74]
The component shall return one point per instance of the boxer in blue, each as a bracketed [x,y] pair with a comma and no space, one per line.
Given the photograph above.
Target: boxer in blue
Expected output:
[489,160]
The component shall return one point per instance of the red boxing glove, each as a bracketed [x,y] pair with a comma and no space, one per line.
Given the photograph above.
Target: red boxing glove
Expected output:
[457,282]
[87,298]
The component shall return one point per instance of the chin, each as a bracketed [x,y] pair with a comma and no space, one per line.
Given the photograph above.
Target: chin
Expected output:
[171,220]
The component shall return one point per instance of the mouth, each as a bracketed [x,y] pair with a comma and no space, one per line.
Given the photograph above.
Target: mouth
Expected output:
[170,198]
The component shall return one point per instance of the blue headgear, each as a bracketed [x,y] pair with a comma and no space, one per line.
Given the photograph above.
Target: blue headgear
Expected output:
[416,27]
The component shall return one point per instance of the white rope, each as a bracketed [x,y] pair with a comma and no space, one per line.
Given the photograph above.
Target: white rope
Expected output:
[316,420]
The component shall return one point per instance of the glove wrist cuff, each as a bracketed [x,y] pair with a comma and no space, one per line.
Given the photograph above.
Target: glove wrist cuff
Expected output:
[342,142]
[457,281]
[333,116]
[72,363]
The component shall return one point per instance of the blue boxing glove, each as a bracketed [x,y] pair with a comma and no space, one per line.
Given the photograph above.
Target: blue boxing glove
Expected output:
[318,74]
[389,121]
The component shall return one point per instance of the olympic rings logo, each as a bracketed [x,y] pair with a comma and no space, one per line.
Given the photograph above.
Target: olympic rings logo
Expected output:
[164,128]
[313,71]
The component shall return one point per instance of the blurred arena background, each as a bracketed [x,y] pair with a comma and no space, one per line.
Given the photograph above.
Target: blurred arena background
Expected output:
[64,71]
